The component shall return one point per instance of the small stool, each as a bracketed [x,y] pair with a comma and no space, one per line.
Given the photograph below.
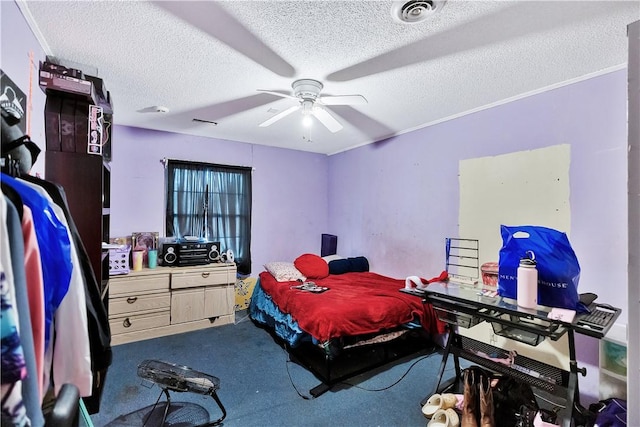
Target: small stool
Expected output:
[172,377]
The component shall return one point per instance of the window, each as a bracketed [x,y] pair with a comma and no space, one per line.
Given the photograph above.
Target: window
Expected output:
[212,202]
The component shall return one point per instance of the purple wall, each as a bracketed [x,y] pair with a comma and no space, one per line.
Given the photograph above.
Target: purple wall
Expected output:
[395,201]
[289,188]
[16,42]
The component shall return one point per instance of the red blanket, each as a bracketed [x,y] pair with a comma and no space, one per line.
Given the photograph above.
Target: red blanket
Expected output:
[355,304]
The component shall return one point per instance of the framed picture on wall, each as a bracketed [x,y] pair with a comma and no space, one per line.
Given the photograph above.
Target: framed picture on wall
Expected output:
[13,100]
[144,241]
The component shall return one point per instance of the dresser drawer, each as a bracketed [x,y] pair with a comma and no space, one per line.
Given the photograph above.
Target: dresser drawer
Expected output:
[187,305]
[219,301]
[137,304]
[135,323]
[205,277]
[131,285]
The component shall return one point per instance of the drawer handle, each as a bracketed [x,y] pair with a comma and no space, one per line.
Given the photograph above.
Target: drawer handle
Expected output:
[126,323]
[205,274]
[131,300]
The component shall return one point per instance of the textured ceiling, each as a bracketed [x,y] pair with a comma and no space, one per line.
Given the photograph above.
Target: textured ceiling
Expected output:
[206,60]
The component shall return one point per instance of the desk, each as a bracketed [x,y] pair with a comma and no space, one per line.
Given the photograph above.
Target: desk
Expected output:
[464,306]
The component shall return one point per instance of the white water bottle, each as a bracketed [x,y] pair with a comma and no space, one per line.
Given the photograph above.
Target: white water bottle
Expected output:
[527,282]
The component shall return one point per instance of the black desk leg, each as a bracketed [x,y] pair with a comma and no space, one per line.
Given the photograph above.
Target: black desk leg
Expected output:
[575,410]
[443,365]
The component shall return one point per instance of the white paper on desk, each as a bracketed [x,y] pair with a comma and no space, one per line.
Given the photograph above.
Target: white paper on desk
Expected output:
[562,314]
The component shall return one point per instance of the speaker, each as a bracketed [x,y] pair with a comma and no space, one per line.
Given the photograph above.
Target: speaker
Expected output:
[214,251]
[329,245]
[227,256]
[170,254]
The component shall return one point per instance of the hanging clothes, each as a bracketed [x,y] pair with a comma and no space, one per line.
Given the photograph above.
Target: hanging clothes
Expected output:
[20,390]
[31,382]
[35,293]
[69,355]
[56,260]
[13,364]
[60,308]
[97,316]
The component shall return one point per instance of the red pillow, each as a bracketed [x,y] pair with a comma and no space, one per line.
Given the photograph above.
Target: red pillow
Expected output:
[312,266]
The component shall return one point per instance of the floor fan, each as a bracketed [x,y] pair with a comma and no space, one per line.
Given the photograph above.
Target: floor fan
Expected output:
[176,378]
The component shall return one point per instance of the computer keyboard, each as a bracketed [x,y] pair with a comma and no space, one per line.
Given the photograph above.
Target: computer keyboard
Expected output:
[599,318]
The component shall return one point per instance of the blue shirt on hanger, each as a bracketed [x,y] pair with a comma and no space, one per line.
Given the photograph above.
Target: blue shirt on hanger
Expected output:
[55,248]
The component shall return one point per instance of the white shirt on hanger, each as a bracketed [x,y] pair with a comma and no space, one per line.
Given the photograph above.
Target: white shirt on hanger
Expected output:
[69,355]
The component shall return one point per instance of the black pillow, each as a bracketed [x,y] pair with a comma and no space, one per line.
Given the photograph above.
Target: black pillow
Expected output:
[347,265]
[359,264]
[339,266]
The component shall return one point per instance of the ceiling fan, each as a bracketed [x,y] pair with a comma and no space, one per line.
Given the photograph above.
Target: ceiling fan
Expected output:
[307,93]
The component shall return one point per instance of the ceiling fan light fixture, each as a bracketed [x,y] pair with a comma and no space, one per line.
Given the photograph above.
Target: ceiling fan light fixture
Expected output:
[310,103]
[307,106]
[307,88]
[307,121]
[307,112]
[414,11]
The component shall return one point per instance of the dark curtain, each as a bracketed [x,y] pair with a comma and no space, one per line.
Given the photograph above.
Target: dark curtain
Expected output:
[212,202]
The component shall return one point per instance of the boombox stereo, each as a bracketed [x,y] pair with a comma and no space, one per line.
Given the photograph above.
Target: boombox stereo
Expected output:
[190,253]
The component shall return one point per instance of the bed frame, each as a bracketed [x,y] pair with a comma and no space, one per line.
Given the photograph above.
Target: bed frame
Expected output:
[336,363]
[344,348]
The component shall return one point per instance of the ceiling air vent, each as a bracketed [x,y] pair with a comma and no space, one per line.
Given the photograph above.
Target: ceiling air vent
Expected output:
[209,122]
[413,11]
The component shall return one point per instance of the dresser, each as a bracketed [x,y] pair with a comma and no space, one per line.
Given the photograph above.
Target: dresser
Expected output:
[170,300]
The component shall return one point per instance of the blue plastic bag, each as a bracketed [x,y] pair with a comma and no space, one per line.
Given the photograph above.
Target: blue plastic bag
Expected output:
[611,412]
[557,264]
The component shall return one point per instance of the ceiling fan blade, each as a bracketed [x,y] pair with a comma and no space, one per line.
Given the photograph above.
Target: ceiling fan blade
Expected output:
[214,20]
[343,100]
[327,119]
[280,115]
[284,95]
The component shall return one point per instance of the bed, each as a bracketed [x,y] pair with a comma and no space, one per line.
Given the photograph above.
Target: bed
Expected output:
[359,320]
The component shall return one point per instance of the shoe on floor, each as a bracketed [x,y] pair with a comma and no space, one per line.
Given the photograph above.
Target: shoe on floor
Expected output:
[439,401]
[444,418]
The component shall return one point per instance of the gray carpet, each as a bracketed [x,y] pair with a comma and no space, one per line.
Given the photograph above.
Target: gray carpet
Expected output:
[258,387]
